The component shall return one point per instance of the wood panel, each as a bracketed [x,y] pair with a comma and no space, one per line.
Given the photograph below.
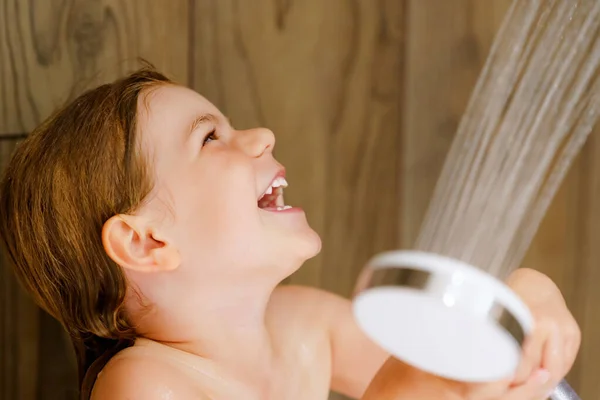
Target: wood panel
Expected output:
[19,329]
[447,45]
[584,271]
[51,50]
[326,78]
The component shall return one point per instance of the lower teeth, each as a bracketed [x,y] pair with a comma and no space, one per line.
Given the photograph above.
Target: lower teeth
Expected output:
[283,208]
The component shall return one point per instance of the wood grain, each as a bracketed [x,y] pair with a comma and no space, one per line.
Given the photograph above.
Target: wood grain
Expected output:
[49,52]
[566,248]
[447,45]
[365,154]
[580,274]
[53,49]
[20,333]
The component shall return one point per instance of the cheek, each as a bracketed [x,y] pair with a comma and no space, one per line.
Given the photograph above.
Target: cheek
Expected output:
[228,185]
[218,207]
[218,236]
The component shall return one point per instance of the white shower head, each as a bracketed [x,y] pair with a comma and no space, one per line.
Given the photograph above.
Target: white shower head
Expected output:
[442,315]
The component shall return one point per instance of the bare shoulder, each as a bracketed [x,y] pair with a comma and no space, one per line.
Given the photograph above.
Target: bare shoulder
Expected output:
[133,378]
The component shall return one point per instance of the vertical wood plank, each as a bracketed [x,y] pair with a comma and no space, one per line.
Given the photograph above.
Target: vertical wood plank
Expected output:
[581,273]
[19,328]
[51,50]
[57,377]
[566,248]
[363,189]
[447,45]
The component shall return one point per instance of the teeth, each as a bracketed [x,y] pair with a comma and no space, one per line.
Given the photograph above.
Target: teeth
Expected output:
[279,181]
[283,208]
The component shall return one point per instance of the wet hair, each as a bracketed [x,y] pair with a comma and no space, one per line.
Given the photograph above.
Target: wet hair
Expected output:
[80,167]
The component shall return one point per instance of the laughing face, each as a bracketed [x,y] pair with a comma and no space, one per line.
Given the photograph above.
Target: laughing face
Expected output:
[218,198]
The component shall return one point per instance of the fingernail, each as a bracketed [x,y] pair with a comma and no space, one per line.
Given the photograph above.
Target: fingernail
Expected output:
[542,376]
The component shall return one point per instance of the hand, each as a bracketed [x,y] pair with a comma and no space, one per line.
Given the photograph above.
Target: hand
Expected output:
[548,354]
[555,341]
[550,350]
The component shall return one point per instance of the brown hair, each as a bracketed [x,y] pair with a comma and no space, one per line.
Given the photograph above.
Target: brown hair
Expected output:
[75,171]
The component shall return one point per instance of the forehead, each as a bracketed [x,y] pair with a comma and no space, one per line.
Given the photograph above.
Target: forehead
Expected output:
[166,112]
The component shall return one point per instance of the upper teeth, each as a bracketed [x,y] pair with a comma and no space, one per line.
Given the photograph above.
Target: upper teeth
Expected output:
[279,181]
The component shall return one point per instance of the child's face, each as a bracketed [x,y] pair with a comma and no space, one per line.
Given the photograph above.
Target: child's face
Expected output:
[206,198]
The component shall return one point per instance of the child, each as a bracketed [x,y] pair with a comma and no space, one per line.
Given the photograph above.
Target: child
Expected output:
[150,228]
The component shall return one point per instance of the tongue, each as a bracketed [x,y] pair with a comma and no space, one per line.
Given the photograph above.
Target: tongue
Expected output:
[268,201]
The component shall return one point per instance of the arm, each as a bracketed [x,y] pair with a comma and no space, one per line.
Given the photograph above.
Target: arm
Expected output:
[398,381]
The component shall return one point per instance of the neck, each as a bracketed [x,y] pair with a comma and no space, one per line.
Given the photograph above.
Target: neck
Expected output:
[225,324]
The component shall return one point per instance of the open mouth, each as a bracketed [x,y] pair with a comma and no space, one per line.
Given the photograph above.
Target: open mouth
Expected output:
[272,198]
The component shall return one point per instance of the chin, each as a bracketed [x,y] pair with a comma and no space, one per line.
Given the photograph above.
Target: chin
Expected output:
[313,244]
[297,249]
[307,246]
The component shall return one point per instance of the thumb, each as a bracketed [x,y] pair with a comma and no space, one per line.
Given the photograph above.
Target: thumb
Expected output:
[535,388]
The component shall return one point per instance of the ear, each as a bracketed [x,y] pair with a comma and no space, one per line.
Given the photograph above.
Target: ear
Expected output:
[133,244]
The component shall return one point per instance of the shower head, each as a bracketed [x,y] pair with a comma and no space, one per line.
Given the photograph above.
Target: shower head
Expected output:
[443,316]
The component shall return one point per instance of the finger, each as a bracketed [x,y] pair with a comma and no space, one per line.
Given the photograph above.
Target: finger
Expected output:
[535,388]
[525,367]
[572,346]
[531,356]
[553,359]
[571,351]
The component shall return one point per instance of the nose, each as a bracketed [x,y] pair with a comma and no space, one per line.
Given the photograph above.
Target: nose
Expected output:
[255,142]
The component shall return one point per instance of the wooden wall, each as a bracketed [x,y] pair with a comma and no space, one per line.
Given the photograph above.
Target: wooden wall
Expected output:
[364,97]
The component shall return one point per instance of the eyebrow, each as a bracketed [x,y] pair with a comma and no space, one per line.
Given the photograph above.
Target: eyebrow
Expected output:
[201,119]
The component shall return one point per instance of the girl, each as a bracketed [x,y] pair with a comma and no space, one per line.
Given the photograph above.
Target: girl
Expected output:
[158,235]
